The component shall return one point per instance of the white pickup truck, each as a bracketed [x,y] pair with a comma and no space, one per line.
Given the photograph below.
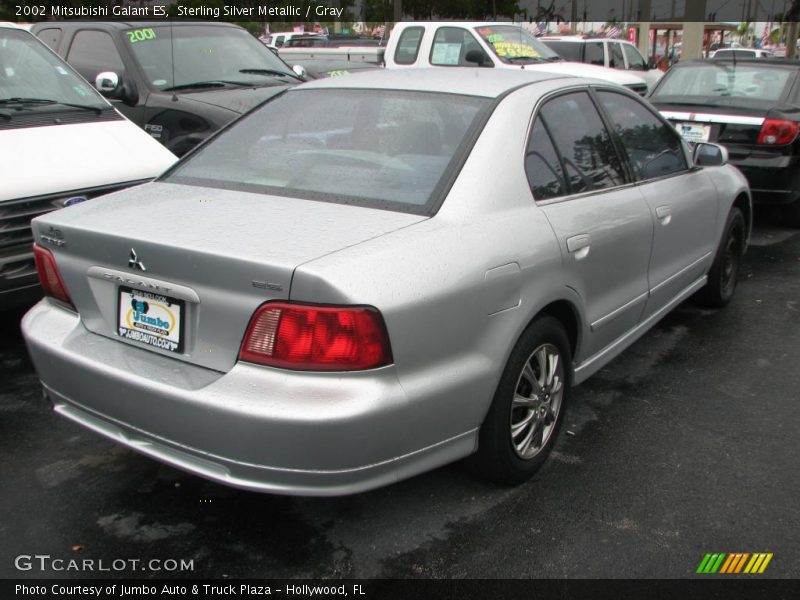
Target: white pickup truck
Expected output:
[499,45]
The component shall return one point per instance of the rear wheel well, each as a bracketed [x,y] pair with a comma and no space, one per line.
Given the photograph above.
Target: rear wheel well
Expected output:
[568,317]
[743,204]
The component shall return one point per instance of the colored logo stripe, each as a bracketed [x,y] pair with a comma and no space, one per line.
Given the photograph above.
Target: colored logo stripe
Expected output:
[731,563]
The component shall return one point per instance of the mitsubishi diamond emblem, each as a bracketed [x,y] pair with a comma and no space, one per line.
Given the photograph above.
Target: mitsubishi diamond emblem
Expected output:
[134,262]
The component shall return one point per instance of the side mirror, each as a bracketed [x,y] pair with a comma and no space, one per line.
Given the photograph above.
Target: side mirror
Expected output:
[106,82]
[709,155]
[476,56]
[300,71]
[652,64]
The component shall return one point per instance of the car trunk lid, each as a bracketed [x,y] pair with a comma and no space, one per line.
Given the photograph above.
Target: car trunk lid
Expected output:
[199,260]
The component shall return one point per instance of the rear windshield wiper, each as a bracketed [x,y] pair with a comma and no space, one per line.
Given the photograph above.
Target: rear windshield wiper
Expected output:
[269,72]
[47,101]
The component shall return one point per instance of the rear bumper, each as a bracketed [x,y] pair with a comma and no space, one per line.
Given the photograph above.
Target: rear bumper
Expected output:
[773,180]
[254,428]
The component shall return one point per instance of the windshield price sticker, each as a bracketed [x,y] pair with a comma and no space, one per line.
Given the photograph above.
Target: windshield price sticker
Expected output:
[141,35]
[515,50]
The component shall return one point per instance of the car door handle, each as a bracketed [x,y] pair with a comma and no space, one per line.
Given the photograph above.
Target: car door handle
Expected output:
[664,214]
[579,245]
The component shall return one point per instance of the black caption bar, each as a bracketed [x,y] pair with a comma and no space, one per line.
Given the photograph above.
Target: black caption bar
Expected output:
[405,589]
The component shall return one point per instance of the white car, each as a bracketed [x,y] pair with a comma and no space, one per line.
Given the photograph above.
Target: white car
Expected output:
[61,143]
[279,40]
[614,54]
[737,53]
[449,44]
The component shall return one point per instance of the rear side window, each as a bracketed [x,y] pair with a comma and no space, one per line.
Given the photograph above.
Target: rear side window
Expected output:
[92,52]
[566,50]
[589,158]
[653,148]
[542,165]
[593,54]
[408,46]
[50,36]
[616,60]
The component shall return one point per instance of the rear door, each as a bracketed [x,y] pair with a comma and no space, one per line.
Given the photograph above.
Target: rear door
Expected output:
[602,223]
[683,201]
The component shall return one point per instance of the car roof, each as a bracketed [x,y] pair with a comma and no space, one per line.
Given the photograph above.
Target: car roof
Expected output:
[10,25]
[470,81]
[579,39]
[772,63]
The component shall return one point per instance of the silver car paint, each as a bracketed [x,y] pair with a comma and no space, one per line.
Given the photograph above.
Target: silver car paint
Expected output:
[456,292]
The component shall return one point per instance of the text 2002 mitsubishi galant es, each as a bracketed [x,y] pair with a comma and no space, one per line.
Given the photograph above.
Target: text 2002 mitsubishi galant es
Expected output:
[365,279]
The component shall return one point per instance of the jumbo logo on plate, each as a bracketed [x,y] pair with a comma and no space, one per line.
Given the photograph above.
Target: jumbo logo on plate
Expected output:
[150,318]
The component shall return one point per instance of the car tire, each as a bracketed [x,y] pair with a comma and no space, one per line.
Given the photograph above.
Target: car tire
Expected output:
[724,273]
[533,389]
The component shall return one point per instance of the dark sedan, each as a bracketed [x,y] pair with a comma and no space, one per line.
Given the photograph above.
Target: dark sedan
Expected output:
[750,106]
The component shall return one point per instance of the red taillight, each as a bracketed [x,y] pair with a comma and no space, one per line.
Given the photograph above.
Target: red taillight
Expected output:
[49,277]
[777,132]
[316,338]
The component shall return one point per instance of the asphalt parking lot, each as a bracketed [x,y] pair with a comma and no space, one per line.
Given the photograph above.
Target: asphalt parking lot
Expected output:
[686,444]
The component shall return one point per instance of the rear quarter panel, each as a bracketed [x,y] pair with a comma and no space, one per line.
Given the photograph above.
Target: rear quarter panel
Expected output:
[456,291]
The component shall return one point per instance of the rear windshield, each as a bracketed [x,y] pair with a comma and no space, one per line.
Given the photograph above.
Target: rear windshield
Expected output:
[383,148]
[724,83]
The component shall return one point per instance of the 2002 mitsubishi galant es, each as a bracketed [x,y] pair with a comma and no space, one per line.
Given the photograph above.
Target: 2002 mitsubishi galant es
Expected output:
[368,277]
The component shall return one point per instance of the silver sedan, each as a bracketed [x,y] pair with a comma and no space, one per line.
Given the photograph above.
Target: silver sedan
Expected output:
[369,277]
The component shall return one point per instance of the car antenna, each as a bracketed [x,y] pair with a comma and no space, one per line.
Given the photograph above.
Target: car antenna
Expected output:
[172,56]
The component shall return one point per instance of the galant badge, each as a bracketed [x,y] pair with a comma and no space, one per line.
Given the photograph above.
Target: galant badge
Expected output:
[134,262]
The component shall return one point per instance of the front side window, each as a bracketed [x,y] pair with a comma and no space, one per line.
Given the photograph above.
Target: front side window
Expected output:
[389,149]
[203,53]
[653,147]
[92,52]
[588,154]
[451,45]
[635,60]
[408,46]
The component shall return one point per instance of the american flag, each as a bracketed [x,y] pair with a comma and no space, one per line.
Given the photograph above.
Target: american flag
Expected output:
[765,34]
[379,31]
[614,31]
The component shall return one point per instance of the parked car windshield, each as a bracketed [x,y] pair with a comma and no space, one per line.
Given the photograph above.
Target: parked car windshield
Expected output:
[384,148]
[32,75]
[512,44]
[202,53]
[723,83]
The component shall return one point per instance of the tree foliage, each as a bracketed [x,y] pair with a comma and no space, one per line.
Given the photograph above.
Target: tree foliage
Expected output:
[460,9]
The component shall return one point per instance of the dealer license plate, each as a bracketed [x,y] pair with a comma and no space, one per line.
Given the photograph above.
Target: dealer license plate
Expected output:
[694,132]
[152,319]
